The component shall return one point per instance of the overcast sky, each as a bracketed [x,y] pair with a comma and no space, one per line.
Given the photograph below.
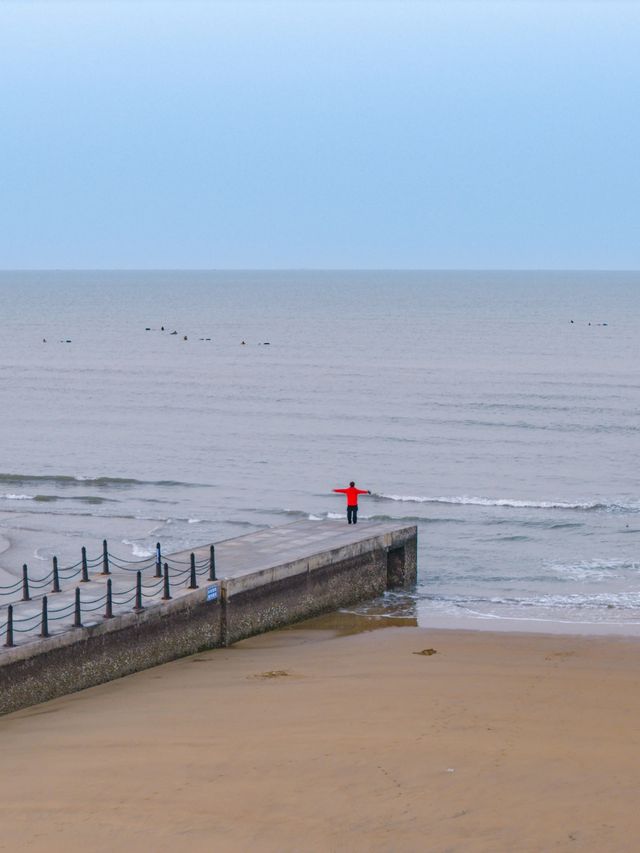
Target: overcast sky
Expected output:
[320,133]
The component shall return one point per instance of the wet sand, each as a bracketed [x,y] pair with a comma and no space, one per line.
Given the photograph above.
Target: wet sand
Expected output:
[314,739]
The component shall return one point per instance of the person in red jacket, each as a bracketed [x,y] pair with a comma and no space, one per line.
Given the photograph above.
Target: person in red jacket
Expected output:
[352,500]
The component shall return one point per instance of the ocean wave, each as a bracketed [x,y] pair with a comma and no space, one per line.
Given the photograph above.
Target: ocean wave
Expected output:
[80,480]
[512,607]
[410,519]
[595,570]
[467,500]
[86,499]
[294,513]
[415,519]
[138,550]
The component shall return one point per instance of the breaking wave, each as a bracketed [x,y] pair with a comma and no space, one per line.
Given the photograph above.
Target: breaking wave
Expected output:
[86,499]
[79,480]
[138,550]
[467,500]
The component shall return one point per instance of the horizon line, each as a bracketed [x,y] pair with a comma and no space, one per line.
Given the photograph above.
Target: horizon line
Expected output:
[320,269]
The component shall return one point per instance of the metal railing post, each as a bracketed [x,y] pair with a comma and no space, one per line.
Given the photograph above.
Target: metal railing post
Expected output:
[108,612]
[77,620]
[166,594]
[84,578]
[56,576]
[138,605]
[158,560]
[105,558]
[192,580]
[44,625]
[212,563]
[9,641]
[25,583]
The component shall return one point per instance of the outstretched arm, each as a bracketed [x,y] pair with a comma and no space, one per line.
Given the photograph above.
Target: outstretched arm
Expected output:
[342,491]
[363,491]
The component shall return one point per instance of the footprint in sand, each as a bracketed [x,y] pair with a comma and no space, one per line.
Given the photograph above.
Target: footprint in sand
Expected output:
[426,652]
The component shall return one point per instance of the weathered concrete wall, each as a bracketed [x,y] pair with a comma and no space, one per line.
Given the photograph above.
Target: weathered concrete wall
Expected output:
[402,564]
[244,605]
[303,594]
[84,657]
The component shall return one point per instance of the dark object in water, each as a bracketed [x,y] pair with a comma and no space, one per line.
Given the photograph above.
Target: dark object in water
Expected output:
[266,344]
[174,333]
[147,328]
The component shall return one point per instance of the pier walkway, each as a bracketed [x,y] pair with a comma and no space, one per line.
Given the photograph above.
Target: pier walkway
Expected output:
[105,618]
[274,546]
[248,555]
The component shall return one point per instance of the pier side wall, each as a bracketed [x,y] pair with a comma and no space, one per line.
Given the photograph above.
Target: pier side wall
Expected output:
[218,614]
[304,593]
[120,646]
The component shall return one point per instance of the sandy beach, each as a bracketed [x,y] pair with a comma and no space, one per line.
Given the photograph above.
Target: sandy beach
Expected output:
[313,738]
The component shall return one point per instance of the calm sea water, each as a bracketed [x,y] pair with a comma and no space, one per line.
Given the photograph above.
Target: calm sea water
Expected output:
[469,403]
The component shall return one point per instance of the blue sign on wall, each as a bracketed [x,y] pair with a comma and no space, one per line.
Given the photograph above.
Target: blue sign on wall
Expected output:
[212,593]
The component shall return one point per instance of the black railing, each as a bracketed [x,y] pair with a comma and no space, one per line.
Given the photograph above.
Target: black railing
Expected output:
[26,590]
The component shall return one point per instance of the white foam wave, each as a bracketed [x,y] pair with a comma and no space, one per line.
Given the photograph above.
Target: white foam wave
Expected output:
[548,605]
[19,497]
[194,520]
[337,516]
[138,550]
[594,570]
[467,500]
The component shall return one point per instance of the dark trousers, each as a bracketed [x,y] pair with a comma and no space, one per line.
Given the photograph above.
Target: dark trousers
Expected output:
[352,514]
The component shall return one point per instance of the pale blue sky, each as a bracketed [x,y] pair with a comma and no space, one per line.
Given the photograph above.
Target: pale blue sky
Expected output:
[320,133]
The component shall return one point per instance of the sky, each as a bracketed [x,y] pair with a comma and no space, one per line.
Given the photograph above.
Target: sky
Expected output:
[320,134]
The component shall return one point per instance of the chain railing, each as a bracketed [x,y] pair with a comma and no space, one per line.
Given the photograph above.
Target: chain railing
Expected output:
[165,578]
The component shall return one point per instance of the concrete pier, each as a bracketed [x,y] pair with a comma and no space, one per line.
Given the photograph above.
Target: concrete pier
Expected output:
[265,580]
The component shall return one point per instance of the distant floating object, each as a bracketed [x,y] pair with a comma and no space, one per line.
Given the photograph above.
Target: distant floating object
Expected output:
[185,338]
[242,343]
[266,344]
[147,328]
[44,340]
[571,321]
[162,328]
[174,333]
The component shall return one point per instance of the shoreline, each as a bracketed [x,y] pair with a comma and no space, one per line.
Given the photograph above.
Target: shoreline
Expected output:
[329,735]
[504,625]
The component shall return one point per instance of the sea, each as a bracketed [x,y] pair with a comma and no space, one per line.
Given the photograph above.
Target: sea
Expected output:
[497,411]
